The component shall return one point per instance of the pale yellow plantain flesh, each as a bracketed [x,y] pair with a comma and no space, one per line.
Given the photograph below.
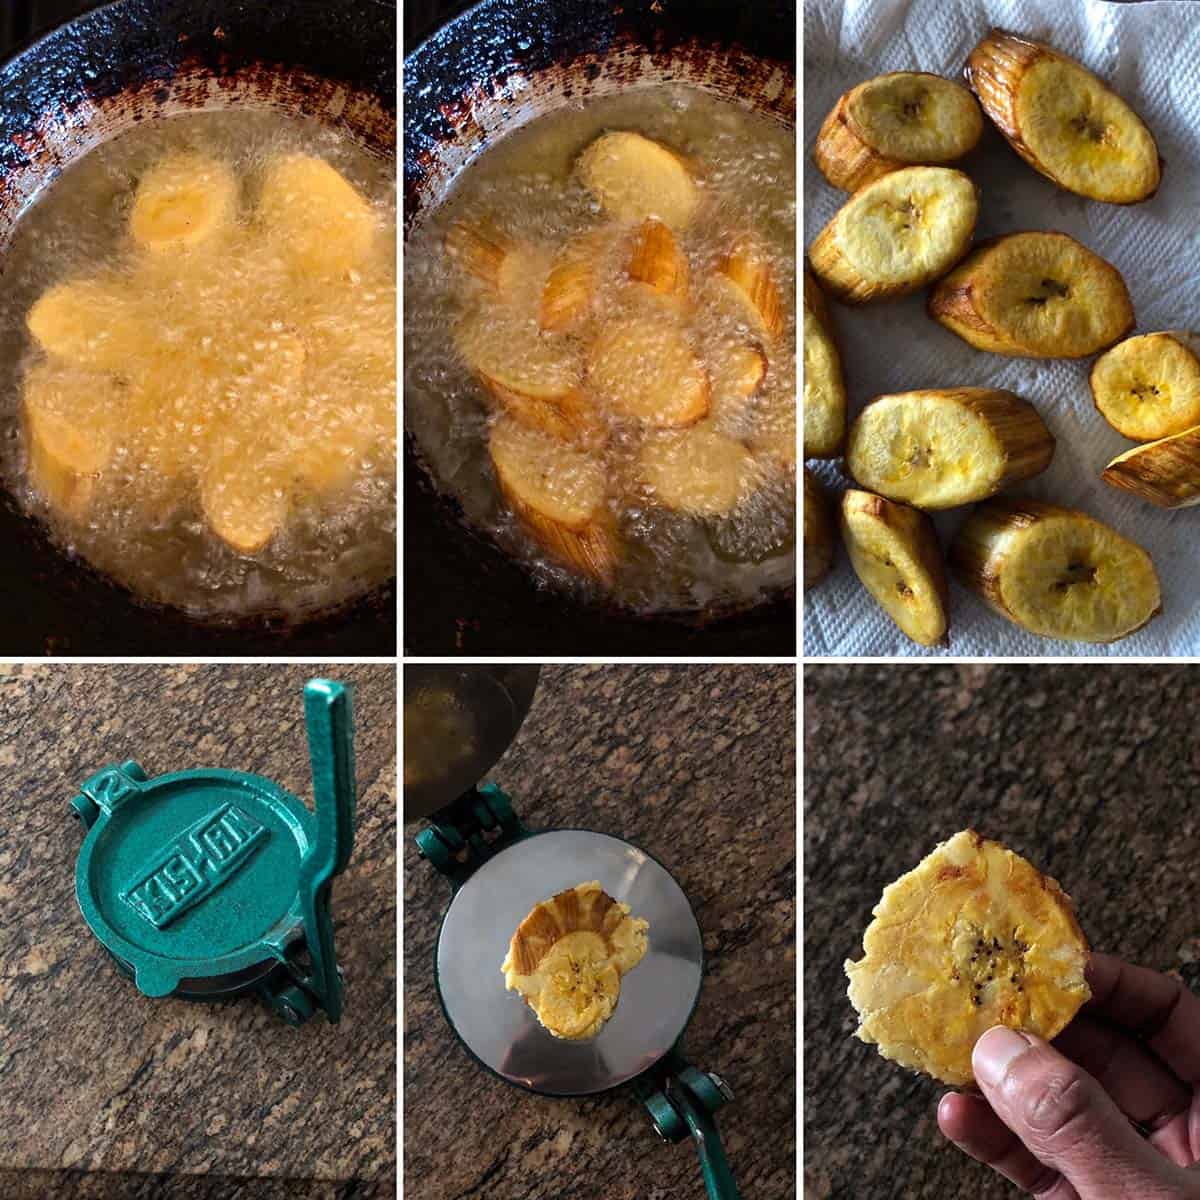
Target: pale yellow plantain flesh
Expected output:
[317,218]
[90,323]
[558,494]
[696,470]
[643,368]
[635,178]
[535,376]
[820,539]
[905,118]
[1063,121]
[1055,572]
[567,957]
[824,384]
[1148,387]
[1034,295]
[183,201]
[941,448]
[1165,472]
[895,554]
[974,936]
[896,235]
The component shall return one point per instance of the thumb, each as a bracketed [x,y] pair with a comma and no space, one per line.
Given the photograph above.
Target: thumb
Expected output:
[1067,1121]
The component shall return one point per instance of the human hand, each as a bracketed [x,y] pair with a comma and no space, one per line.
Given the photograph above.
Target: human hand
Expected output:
[1111,1110]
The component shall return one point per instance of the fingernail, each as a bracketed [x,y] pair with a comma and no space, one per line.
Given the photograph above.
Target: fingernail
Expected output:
[994,1051]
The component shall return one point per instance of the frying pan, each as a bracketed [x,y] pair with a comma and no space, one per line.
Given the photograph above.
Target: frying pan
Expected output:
[128,62]
[499,869]
[486,73]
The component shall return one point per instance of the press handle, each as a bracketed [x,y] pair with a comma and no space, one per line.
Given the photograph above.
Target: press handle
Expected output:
[714,1166]
[330,722]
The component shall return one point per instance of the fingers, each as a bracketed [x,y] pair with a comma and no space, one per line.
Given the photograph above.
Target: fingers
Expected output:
[1154,1007]
[1142,1088]
[1065,1119]
[968,1121]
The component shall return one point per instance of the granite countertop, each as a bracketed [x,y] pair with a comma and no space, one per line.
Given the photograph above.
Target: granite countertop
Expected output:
[109,1094]
[697,765]
[1090,772]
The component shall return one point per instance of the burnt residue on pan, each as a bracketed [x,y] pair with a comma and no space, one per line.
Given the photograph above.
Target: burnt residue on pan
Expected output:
[132,61]
[498,66]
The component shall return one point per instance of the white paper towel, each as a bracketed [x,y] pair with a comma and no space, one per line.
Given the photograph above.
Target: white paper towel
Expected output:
[1150,54]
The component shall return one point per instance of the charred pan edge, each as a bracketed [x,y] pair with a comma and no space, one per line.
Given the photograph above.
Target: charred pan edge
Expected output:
[503,63]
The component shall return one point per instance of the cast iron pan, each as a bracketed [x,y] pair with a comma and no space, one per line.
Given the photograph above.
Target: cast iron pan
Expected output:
[130,61]
[464,595]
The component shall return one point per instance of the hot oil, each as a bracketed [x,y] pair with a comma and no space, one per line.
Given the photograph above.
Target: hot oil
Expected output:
[214,331]
[525,186]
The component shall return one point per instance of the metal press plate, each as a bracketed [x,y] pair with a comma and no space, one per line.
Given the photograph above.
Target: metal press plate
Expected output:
[657,996]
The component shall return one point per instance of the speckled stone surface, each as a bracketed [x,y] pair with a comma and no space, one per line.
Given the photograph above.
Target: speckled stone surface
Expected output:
[1090,772]
[697,765]
[108,1094]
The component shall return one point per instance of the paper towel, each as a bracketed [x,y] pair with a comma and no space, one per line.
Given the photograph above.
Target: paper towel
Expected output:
[1150,54]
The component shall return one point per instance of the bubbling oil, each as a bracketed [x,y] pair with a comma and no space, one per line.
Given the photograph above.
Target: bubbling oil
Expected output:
[217,378]
[678,538]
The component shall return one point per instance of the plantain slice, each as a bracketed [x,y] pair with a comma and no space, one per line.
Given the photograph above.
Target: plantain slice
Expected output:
[535,376]
[820,540]
[944,447]
[750,278]
[656,260]
[183,200]
[1166,472]
[1034,295]
[974,936]
[1056,572]
[697,470]
[558,494]
[634,178]
[772,437]
[69,419]
[736,370]
[72,414]
[244,501]
[642,367]
[479,248]
[1148,387]
[896,234]
[1063,121]
[89,322]
[895,553]
[574,279]
[824,384]
[319,221]
[901,119]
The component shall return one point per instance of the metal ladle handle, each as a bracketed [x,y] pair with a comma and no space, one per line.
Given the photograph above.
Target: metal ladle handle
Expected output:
[330,722]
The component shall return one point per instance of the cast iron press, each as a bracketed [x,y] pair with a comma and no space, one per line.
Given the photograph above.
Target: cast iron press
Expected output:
[209,884]
[458,722]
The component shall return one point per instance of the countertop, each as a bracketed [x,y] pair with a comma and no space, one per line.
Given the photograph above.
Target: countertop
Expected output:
[1090,772]
[108,1094]
[697,765]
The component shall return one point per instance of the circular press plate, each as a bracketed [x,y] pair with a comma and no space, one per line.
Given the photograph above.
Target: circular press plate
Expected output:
[499,1028]
[192,880]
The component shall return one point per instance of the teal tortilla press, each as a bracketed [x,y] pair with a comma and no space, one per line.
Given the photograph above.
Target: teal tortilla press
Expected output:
[210,884]
[458,721]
